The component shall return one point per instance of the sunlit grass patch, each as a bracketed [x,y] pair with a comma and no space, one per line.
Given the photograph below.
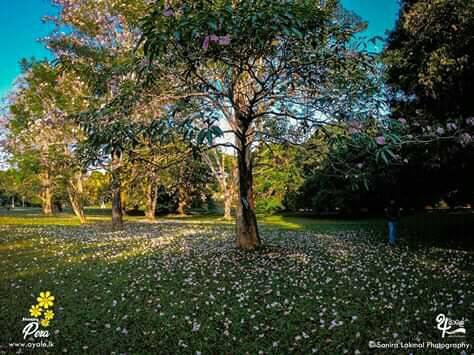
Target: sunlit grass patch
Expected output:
[34,216]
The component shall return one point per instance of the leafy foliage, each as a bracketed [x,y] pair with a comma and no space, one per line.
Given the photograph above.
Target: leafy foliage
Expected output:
[429,58]
[431,72]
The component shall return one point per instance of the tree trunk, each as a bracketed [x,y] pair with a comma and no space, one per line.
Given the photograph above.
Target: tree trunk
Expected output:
[47,195]
[48,202]
[182,193]
[151,197]
[182,201]
[227,189]
[76,204]
[74,190]
[227,203]
[123,201]
[117,216]
[247,230]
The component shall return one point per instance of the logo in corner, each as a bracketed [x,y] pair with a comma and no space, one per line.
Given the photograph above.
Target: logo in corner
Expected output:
[42,315]
[445,324]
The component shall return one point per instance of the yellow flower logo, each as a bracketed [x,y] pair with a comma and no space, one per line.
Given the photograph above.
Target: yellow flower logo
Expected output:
[48,315]
[45,299]
[35,311]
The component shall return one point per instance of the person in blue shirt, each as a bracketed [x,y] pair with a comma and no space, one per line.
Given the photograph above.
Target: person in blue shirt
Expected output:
[393,216]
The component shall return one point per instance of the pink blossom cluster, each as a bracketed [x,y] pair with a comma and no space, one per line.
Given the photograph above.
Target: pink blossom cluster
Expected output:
[465,139]
[112,29]
[354,127]
[221,40]
[380,140]
[450,126]
[168,12]
[3,121]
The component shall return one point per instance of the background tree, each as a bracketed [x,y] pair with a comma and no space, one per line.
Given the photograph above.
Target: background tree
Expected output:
[278,176]
[222,167]
[40,129]
[97,188]
[11,188]
[429,59]
[431,73]
[342,172]
[99,49]
[191,182]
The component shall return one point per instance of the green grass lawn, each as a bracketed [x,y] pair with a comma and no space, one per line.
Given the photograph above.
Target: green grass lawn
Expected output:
[179,286]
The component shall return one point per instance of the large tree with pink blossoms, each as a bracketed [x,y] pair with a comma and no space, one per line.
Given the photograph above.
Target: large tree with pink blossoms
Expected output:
[272,70]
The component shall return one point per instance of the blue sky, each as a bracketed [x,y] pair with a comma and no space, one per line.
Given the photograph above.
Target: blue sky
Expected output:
[21,27]
[380,14]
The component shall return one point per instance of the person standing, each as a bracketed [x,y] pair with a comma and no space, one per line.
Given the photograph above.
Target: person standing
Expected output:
[393,215]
